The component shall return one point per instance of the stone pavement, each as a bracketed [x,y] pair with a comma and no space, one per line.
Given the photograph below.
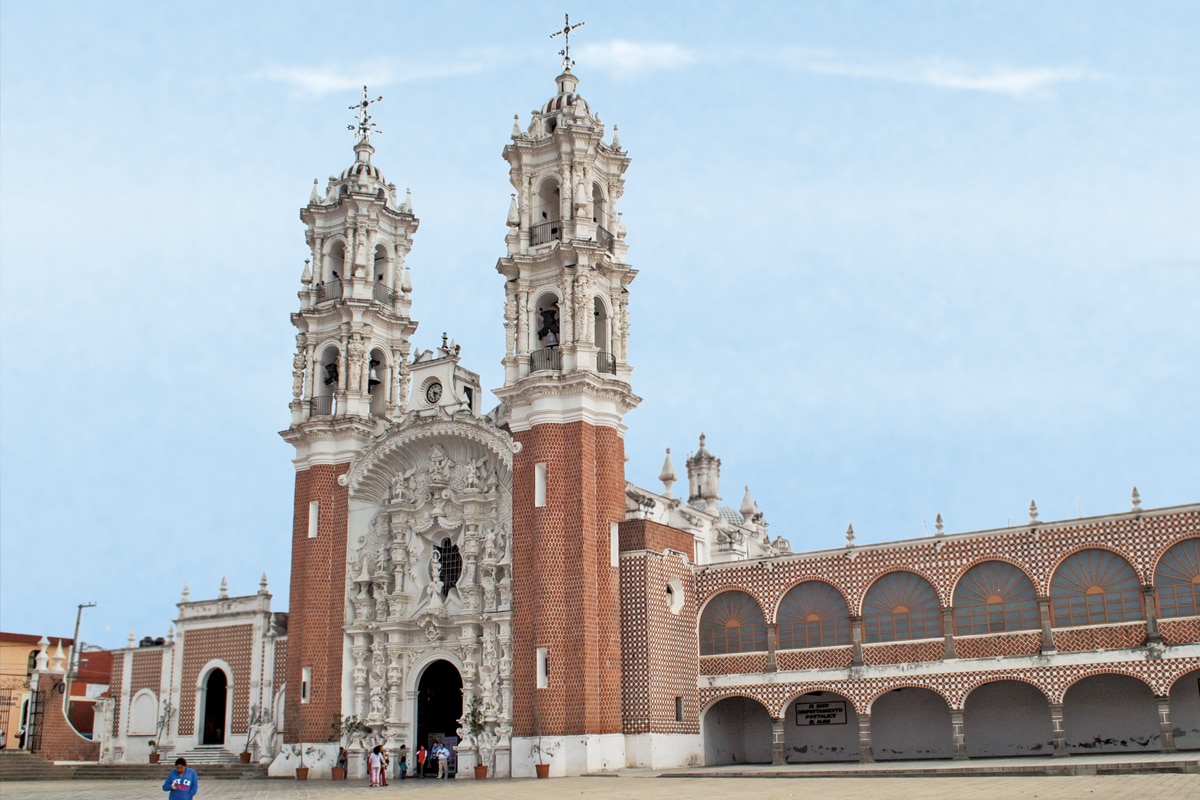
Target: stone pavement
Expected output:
[647,787]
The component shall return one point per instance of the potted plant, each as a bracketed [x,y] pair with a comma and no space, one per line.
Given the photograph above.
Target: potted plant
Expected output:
[153,751]
[254,719]
[301,751]
[541,751]
[472,725]
[343,730]
[164,719]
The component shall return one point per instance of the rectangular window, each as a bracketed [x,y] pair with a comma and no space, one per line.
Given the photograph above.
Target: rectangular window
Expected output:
[614,545]
[679,709]
[539,485]
[305,683]
[314,508]
[543,667]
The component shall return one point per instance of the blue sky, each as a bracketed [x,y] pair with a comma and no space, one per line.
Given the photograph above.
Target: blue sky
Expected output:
[895,259]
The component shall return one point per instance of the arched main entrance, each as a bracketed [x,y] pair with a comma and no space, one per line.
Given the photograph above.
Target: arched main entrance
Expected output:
[215,689]
[439,704]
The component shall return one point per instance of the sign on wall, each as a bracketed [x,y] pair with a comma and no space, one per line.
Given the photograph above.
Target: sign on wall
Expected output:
[829,712]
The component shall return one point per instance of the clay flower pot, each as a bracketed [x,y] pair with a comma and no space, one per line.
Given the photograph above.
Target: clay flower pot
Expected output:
[245,757]
[543,770]
[480,771]
[301,773]
[154,758]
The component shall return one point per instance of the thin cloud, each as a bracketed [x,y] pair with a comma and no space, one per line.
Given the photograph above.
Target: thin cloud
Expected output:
[319,81]
[625,59]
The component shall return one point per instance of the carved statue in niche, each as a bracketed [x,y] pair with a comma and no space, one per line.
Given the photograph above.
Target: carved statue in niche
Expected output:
[510,323]
[357,349]
[439,465]
[489,545]
[583,320]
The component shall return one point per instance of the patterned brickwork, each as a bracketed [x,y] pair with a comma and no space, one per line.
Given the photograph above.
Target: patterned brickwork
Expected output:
[147,671]
[644,534]
[317,603]
[903,652]
[232,644]
[60,741]
[734,664]
[1140,539]
[118,678]
[1180,631]
[955,686]
[815,658]
[1100,637]
[567,598]
[658,647]
[998,645]
[280,674]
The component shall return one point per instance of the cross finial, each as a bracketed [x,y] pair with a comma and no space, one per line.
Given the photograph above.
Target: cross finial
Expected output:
[566,34]
[365,125]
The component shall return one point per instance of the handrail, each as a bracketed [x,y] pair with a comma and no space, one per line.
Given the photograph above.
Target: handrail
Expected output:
[545,232]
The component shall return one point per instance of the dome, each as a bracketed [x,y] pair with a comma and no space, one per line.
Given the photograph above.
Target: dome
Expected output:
[362,168]
[727,514]
[562,101]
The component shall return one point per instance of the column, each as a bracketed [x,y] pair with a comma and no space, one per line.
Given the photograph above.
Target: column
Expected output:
[960,739]
[1148,602]
[1047,632]
[777,751]
[772,634]
[864,739]
[948,632]
[1060,734]
[856,659]
[1167,740]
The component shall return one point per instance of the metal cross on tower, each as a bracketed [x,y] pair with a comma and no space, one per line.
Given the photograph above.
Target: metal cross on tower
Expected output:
[365,125]
[566,34]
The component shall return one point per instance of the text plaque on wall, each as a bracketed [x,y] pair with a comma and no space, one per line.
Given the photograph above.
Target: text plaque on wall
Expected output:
[829,712]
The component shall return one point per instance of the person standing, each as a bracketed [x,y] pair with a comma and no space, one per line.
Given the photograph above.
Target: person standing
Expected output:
[421,756]
[21,738]
[375,765]
[443,759]
[402,760]
[387,765]
[182,783]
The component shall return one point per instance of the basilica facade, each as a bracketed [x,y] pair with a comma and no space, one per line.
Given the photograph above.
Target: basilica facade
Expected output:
[486,576]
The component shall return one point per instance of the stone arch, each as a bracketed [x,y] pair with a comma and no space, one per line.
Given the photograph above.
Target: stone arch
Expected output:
[832,624]
[379,381]
[726,611]
[916,725]
[212,717]
[1089,588]
[869,705]
[824,727]
[995,600]
[1024,568]
[600,210]
[381,263]
[1007,716]
[897,608]
[1176,578]
[736,728]
[1044,584]
[1110,711]
[856,603]
[143,713]
[961,702]
[1184,707]
[1061,694]
[333,260]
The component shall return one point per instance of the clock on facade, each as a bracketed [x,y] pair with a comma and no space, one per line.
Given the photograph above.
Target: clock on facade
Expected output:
[433,393]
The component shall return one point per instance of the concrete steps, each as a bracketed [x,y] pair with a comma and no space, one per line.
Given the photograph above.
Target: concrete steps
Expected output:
[19,765]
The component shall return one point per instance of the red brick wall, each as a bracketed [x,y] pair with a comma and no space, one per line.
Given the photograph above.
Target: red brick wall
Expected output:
[643,534]
[147,671]
[658,648]
[233,644]
[1105,637]
[317,603]
[280,674]
[59,741]
[118,677]
[565,596]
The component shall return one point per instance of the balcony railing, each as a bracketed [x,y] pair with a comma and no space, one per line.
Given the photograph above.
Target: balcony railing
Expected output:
[606,362]
[604,238]
[329,290]
[322,406]
[545,232]
[383,294]
[546,358]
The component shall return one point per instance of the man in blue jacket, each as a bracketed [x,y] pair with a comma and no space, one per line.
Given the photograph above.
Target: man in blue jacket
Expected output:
[182,783]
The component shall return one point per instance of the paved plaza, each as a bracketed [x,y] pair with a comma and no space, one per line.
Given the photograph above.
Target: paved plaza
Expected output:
[1117,787]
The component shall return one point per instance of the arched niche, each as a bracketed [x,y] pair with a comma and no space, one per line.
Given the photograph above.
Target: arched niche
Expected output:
[813,614]
[992,597]
[1177,580]
[732,622]
[378,382]
[335,261]
[901,606]
[1007,718]
[1095,587]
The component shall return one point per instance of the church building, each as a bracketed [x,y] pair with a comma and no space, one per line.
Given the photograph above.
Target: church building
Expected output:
[485,574]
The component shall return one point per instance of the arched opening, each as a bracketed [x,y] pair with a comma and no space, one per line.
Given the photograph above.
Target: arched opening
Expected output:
[1185,711]
[1095,587]
[381,265]
[1007,718]
[732,622]
[599,206]
[544,353]
[995,596]
[335,262]
[213,702]
[378,381]
[1177,580]
[547,205]
[901,606]
[439,705]
[820,726]
[737,730]
[605,361]
[451,563]
[813,614]
[911,723]
[326,380]
[1110,714]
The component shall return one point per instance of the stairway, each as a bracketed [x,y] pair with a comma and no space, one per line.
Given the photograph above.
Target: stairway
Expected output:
[206,754]
[19,765]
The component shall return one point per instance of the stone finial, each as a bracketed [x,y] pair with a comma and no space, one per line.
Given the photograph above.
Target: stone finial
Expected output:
[1033,512]
[223,593]
[937,525]
[1137,501]
[619,230]
[59,659]
[667,476]
[748,508]
[42,661]
[514,213]
[306,276]
[314,199]
[171,634]
[616,142]
[516,126]
[407,201]
[406,281]
[132,640]
[849,536]
[262,584]
[187,596]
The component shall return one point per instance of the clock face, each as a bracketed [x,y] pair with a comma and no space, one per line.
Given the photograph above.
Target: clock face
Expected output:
[433,393]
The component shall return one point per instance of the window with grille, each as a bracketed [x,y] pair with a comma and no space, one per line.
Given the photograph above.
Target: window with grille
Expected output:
[732,623]
[1177,580]
[451,561]
[995,596]
[1094,587]
[901,606]
[813,614]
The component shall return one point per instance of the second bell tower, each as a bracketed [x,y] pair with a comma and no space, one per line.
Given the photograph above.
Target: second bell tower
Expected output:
[567,390]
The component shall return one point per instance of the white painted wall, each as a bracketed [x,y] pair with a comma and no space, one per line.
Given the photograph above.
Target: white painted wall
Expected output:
[1007,718]
[1110,714]
[804,744]
[736,730]
[911,723]
[1185,711]
[664,750]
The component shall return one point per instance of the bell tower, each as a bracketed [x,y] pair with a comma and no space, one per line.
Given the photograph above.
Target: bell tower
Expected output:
[567,389]
[350,379]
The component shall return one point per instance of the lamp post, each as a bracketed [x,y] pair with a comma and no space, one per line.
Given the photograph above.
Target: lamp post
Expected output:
[73,668]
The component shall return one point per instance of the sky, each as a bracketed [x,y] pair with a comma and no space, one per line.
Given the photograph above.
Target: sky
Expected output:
[895,260]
